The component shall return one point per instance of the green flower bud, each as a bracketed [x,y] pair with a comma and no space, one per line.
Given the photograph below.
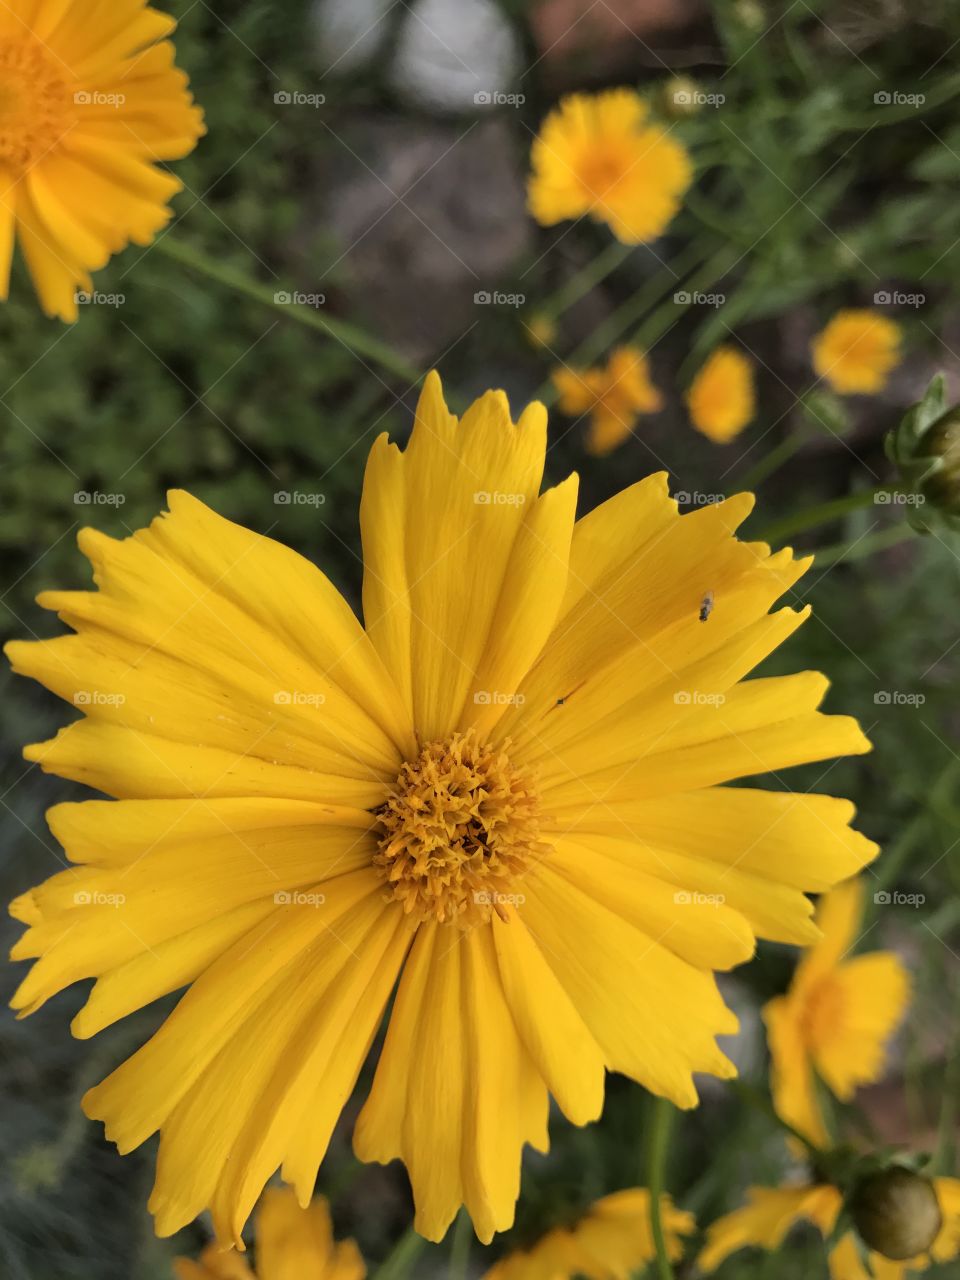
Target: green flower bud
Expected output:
[926,450]
[896,1212]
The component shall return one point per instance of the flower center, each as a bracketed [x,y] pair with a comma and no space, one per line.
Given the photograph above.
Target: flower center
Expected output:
[601,172]
[36,105]
[458,830]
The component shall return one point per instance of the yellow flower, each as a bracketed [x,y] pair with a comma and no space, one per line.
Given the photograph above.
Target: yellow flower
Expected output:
[599,155]
[292,1244]
[721,398]
[90,99]
[856,352]
[770,1213]
[611,1242]
[836,1018]
[613,397]
[505,795]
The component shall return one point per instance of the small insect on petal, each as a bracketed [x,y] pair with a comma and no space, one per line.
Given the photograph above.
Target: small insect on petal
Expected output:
[706,606]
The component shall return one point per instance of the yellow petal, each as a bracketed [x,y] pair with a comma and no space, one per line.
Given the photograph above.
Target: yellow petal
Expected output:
[766,1219]
[868,997]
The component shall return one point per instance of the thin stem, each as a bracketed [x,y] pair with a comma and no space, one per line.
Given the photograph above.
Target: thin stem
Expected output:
[661,1124]
[355,339]
[822,513]
[771,462]
[860,548]
[398,1265]
[587,278]
[460,1247]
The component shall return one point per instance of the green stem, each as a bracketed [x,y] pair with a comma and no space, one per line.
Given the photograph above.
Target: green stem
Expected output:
[356,340]
[822,513]
[661,1124]
[587,278]
[772,462]
[863,547]
[460,1248]
[399,1263]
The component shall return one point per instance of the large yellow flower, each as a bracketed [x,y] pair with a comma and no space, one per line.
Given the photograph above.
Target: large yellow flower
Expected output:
[505,795]
[770,1213]
[90,100]
[292,1244]
[836,1018]
[613,396]
[600,155]
[856,352]
[721,398]
[610,1242]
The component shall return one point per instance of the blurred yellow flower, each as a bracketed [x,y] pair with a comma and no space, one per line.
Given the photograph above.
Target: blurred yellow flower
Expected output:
[291,1244]
[90,100]
[836,1018]
[856,351]
[613,396]
[721,398]
[598,154]
[310,814]
[612,1241]
[770,1213]
[541,330]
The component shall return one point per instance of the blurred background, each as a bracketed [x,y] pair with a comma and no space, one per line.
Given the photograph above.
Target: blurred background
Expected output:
[370,158]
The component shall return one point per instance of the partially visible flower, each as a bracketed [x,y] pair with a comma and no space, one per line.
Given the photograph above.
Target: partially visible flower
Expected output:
[90,101]
[681,96]
[836,1018]
[926,449]
[541,329]
[856,351]
[291,1244]
[614,396]
[896,1211]
[770,1213]
[721,398]
[611,1242]
[598,154]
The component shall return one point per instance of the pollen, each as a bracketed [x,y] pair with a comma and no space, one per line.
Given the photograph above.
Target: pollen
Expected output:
[36,104]
[459,830]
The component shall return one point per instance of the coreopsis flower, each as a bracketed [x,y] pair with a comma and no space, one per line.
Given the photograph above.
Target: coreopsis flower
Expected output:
[613,395]
[90,102]
[599,155]
[505,795]
[292,1243]
[721,399]
[856,352]
[770,1213]
[837,1017]
[612,1241]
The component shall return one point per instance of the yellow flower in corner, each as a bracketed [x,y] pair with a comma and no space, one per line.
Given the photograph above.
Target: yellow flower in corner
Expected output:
[612,1241]
[291,1244]
[613,397]
[90,101]
[770,1213]
[836,1018]
[502,795]
[856,352]
[721,399]
[599,155]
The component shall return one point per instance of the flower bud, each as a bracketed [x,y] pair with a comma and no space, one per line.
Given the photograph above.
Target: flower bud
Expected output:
[896,1212]
[926,449]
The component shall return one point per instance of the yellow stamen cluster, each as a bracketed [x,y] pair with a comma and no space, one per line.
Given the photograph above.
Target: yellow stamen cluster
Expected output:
[459,829]
[36,105]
